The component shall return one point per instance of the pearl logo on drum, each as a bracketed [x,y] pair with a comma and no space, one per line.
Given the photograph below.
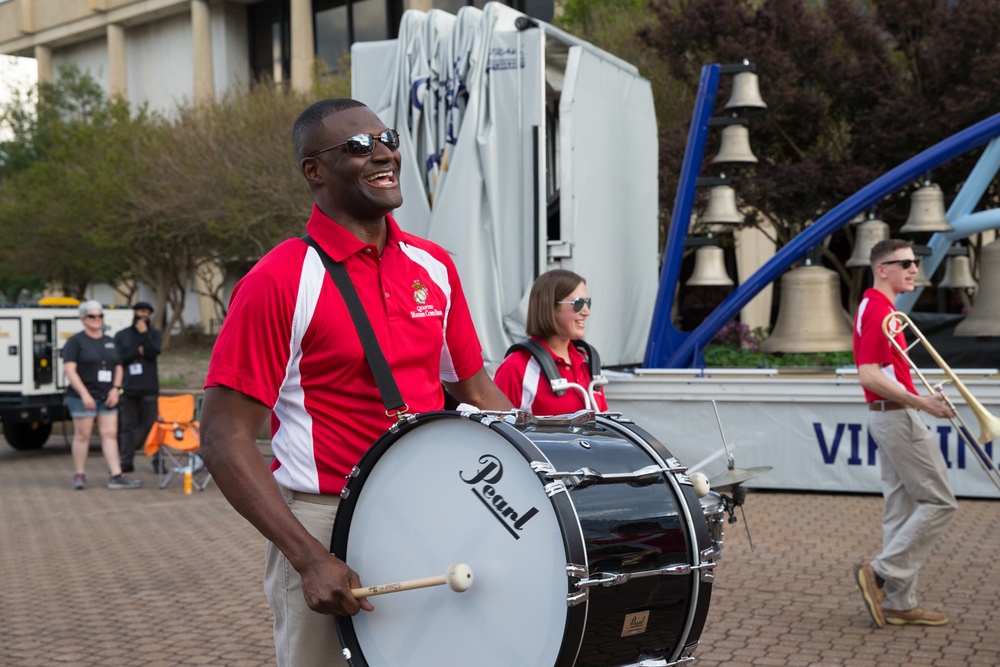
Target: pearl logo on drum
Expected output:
[484,482]
[635,624]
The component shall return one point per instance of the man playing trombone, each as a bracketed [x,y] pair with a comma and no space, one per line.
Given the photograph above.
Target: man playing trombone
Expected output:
[919,502]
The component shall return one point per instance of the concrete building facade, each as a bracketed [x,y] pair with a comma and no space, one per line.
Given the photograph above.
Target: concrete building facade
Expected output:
[169,52]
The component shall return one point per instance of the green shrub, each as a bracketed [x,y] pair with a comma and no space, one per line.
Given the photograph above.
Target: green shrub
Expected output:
[735,346]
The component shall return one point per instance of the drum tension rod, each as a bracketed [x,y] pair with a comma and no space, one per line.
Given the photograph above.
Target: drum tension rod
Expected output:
[661,662]
[584,477]
[608,579]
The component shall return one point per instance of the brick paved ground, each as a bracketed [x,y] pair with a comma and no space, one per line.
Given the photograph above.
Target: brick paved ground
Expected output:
[133,578]
[156,578]
[792,601]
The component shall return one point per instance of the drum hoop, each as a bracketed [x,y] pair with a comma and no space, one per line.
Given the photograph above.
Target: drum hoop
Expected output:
[345,512]
[562,505]
[697,530]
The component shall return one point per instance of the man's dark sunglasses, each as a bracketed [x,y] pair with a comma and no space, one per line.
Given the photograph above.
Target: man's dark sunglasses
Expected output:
[93,316]
[905,263]
[578,303]
[364,144]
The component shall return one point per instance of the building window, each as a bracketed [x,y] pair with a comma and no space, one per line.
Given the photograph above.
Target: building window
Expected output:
[371,21]
[333,35]
[270,51]
[340,23]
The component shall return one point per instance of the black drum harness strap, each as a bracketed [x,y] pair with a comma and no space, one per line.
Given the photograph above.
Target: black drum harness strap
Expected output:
[541,355]
[387,387]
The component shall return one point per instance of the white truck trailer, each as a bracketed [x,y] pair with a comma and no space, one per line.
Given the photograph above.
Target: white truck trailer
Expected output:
[32,384]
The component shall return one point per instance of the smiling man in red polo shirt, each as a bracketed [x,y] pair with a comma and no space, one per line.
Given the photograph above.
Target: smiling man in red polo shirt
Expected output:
[288,349]
[919,502]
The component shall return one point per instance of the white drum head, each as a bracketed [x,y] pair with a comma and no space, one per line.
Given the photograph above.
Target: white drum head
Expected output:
[416,513]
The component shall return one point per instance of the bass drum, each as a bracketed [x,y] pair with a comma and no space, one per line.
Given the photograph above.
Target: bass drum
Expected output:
[586,541]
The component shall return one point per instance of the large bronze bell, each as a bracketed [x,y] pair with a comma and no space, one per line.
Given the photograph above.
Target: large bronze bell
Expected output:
[984,318]
[811,317]
[926,211]
[735,146]
[921,279]
[709,268]
[958,273]
[746,93]
[721,207]
[869,233]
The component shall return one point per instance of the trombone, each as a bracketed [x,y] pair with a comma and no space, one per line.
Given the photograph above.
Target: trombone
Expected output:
[896,322]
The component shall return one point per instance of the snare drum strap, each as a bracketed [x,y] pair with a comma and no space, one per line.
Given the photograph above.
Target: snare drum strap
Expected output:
[387,387]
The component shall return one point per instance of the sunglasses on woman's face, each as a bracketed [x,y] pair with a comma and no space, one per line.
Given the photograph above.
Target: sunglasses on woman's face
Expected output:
[94,316]
[578,303]
[364,144]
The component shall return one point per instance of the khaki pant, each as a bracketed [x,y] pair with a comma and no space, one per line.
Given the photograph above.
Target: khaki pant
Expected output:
[919,502]
[302,637]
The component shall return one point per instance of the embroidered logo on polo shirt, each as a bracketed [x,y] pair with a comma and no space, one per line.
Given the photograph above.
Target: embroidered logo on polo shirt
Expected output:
[420,294]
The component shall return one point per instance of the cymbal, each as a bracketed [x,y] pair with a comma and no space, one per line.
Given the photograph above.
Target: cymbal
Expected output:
[735,476]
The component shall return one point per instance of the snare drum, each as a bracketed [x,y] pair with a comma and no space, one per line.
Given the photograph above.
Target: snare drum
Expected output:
[587,544]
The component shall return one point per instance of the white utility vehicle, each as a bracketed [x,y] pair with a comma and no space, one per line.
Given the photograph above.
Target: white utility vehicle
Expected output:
[32,384]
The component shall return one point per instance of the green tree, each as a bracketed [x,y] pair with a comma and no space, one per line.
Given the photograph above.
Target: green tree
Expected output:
[61,182]
[217,186]
[18,289]
[613,26]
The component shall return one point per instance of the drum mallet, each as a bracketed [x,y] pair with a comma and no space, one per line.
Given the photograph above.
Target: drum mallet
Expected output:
[458,578]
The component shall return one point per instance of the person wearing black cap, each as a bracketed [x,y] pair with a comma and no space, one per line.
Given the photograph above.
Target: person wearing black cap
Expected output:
[138,346]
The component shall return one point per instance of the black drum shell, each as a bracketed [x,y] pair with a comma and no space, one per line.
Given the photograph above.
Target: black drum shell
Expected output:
[646,530]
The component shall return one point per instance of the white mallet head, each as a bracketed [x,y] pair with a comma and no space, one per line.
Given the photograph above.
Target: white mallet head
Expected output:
[700,482]
[459,577]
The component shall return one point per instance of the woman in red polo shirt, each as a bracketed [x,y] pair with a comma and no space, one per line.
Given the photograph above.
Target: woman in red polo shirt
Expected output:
[558,309]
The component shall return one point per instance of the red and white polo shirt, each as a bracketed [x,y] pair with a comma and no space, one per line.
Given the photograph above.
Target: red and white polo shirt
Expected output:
[521,379]
[288,340]
[872,347]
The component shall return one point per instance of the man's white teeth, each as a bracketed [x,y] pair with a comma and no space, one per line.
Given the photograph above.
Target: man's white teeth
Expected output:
[384,174]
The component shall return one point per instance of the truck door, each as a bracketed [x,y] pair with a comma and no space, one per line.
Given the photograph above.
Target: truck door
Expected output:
[41,335]
[64,330]
[10,350]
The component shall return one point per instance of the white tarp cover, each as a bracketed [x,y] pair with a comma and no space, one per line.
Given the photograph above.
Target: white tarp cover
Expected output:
[468,95]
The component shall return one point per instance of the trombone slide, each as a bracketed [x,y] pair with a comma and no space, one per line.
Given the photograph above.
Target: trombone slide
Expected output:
[897,322]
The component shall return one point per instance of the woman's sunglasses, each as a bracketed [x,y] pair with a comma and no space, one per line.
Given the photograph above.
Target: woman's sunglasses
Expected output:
[578,303]
[93,316]
[364,144]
